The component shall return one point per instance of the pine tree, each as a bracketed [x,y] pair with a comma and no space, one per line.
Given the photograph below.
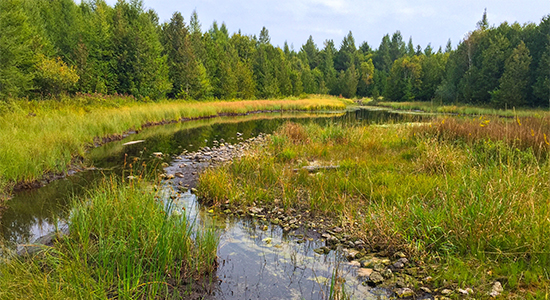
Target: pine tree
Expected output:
[312,53]
[17,57]
[541,88]
[513,83]
[346,55]
[483,24]
[410,47]
[182,65]
[449,47]
[138,62]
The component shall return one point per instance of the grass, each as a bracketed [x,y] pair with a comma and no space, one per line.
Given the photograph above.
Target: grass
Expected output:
[37,137]
[464,109]
[469,195]
[123,244]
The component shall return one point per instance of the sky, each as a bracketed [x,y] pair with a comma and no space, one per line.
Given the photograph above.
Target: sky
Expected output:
[426,21]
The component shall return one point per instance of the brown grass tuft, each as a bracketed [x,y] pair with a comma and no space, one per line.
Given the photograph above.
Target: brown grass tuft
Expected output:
[520,133]
[295,132]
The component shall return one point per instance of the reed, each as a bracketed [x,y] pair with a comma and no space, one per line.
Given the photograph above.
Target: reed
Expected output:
[123,244]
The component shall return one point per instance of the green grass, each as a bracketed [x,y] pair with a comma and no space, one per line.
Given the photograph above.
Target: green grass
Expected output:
[464,109]
[123,244]
[44,136]
[479,207]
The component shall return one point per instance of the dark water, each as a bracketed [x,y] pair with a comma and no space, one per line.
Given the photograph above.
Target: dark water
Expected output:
[254,264]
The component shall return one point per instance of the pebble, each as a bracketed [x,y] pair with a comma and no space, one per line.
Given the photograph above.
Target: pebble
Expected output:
[375,278]
[404,292]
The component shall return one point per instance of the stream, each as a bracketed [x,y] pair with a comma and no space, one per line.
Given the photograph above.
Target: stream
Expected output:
[254,263]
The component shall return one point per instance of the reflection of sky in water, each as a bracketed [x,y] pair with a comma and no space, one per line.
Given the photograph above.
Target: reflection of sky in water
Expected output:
[257,264]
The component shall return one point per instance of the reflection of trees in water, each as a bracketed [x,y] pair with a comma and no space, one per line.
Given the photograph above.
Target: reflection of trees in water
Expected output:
[39,208]
[43,206]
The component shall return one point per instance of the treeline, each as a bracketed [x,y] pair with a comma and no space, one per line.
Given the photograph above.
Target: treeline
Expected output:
[49,47]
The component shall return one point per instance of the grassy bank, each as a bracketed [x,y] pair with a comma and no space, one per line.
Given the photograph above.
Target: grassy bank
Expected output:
[469,198]
[39,137]
[463,109]
[123,245]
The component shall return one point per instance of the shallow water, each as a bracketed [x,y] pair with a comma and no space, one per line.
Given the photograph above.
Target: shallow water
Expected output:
[254,264]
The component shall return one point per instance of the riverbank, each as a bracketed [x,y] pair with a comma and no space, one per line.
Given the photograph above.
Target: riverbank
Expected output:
[46,137]
[462,109]
[466,200]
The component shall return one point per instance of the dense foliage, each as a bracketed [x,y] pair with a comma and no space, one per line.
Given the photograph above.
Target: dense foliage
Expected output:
[58,46]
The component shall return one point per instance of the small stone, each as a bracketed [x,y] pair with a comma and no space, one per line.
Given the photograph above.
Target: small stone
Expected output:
[170,176]
[352,254]
[331,241]
[404,292]
[337,229]
[164,164]
[364,272]
[446,292]
[463,292]
[179,174]
[400,283]
[326,236]
[355,263]
[375,278]
[264,228]
[400,255]
[387,273]
[425,290]
[378,267]
[275,221]
[497,289]
[400,263]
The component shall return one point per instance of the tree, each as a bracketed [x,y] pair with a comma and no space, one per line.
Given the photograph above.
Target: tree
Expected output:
[382,58]
[404,80]
[449,47]
[346,55]
[264,38]
[312,53]
[182,65]
[139,65]
[54,77]
[397,46]
[410,47]
[483,24]
[513,83]
[327,69]
[541,88]
[17,57]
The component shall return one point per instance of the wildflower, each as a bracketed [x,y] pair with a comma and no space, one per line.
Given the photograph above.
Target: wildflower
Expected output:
[545,140]
[519,123]
[532,132]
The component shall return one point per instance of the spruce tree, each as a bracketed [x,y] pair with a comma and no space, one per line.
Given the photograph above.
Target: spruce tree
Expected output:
[514,82]
[17,57]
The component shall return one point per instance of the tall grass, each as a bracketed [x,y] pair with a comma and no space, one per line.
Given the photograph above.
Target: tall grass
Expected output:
[464,109]
[428,191]
[123,244]
[39,137]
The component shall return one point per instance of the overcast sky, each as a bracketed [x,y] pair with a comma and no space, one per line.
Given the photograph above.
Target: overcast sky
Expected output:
[427,21]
